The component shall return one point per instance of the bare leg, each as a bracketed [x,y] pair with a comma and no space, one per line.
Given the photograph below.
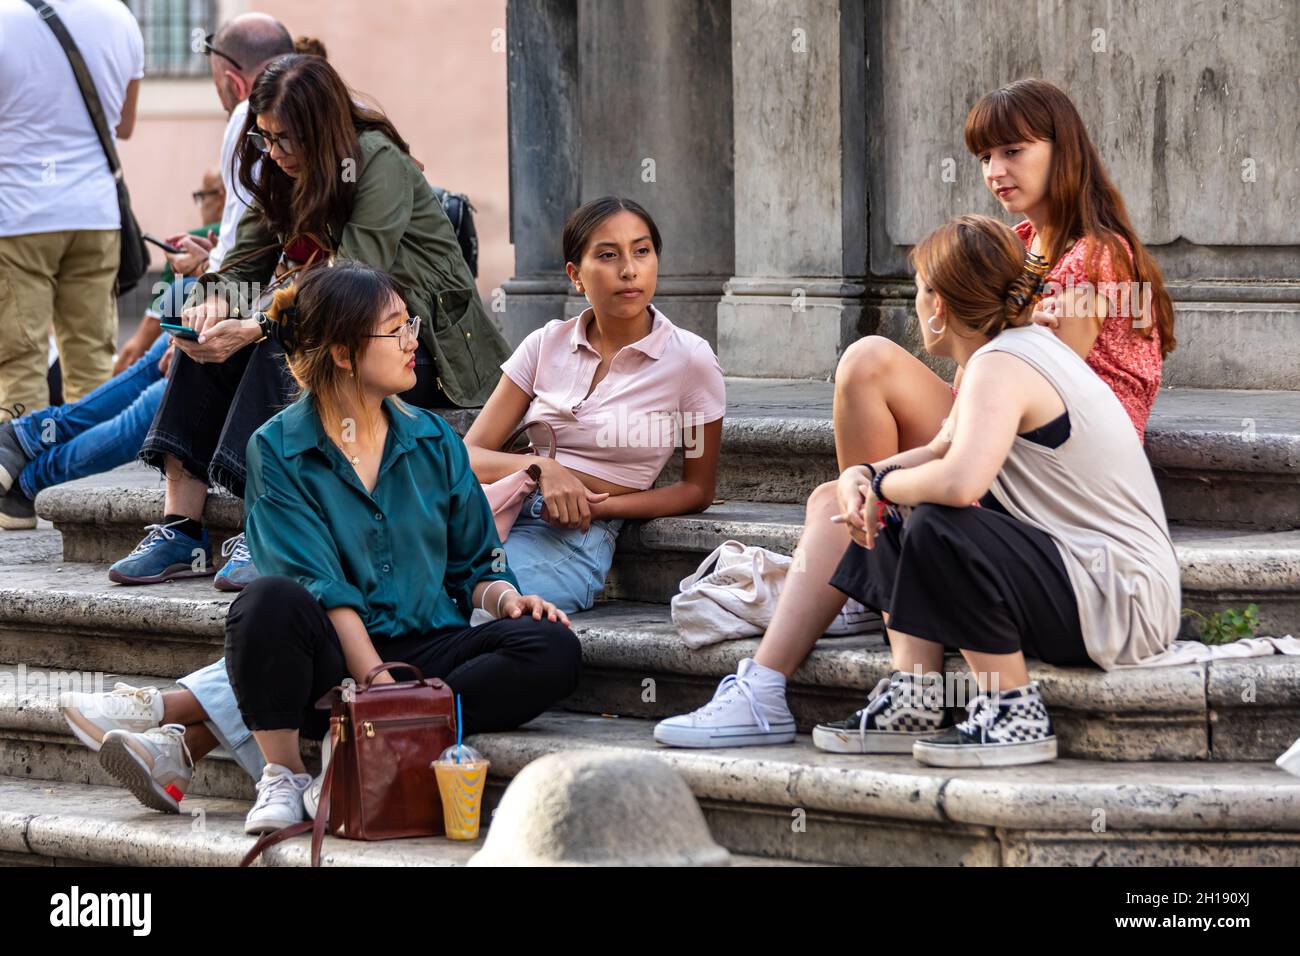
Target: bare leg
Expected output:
[281,746]
[808,604]
[909,652]
[200,740]
[182,707]
[886,401]
[185,495]
[998,672]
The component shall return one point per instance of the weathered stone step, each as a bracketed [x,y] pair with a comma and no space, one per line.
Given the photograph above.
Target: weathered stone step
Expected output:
[1226,458]
[45,823]
[51,823]
[790,803]
[74,619]
[1220,567]
[891,810]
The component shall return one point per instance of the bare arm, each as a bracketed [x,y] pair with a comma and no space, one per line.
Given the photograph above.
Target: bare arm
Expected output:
[993,403]
[501,415]
[126,125]
[693,493]
[1076,318]
[358,650]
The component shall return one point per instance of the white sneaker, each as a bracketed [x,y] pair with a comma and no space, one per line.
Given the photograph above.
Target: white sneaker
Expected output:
[854,618]
[155,765]
[91,716]
[748,708]
[279,800]
[311,796]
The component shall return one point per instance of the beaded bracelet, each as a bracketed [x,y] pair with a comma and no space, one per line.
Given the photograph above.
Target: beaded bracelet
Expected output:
[875,483]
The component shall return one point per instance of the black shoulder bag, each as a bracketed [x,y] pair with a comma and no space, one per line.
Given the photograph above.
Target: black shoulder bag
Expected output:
[135,255]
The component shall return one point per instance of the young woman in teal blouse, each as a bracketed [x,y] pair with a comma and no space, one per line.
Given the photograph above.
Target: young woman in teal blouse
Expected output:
[376,544]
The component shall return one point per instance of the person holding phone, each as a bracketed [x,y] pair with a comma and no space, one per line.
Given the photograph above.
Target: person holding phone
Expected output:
[334,179]
[49,446]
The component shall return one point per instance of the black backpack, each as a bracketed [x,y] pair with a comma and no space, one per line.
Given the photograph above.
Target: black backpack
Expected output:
[461,213]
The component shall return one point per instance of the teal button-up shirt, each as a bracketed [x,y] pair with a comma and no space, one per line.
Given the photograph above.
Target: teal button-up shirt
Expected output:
[407,555]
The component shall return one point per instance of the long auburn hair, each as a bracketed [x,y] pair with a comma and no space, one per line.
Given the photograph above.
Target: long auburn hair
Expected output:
[1082,202]
[333,305]
[324,119]
[973,262]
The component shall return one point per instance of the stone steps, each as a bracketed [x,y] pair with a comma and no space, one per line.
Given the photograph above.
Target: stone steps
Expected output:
[1225,458]
[45,823]
[1222,567]
[789,803]
[68,616]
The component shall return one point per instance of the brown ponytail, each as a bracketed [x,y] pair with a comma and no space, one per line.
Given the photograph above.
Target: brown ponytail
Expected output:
[977,267]
[332,306]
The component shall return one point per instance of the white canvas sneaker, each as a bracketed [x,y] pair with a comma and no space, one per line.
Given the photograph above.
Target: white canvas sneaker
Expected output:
[279,800]
[853,619]
[91,716]
[155,765]
[748,709]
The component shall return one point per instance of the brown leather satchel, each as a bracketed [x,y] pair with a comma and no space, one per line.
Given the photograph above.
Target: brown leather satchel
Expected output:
[378,784]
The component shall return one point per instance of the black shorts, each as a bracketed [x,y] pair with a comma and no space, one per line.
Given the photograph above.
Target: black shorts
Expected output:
[970,579]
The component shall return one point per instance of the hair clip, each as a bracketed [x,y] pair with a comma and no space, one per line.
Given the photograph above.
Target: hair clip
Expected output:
[1026,286]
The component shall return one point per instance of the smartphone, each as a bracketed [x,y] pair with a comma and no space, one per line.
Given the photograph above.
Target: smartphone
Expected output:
[180,331]
[164,246]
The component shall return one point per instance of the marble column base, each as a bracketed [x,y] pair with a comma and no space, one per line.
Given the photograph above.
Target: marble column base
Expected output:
[787,327]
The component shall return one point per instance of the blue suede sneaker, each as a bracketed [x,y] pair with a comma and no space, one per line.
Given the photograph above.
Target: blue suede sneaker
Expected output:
[164,554]
[13,459]
[239,568]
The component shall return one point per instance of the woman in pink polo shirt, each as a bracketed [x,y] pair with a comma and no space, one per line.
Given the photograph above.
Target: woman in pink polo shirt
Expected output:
[622,387]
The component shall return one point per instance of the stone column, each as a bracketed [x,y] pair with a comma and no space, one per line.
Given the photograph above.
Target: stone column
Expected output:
[656,127]
[545,158]
[798,88]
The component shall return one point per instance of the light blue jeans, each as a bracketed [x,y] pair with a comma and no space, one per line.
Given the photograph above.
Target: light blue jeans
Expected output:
[567,567]
[103,430]
[211,685]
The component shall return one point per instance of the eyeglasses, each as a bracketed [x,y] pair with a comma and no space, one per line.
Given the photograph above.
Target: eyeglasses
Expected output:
[201,194]
[209,49]
[265,141]
[407,335]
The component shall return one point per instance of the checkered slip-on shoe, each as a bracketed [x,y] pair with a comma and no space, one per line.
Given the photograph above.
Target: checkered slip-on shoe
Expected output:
[899,712]
[1003,731]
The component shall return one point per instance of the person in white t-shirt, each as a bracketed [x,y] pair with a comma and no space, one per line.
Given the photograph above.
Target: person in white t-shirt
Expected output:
[236,55]
[59,219]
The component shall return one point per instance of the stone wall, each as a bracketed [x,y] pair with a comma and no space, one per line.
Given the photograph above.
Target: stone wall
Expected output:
[801,146]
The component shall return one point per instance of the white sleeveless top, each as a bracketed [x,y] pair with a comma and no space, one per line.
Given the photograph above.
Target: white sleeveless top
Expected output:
[1096,497]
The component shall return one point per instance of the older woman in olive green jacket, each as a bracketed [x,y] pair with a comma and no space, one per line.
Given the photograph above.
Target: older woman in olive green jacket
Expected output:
[328,178]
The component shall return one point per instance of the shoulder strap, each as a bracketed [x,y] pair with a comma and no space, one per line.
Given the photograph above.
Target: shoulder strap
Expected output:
[84,82]
[316,827]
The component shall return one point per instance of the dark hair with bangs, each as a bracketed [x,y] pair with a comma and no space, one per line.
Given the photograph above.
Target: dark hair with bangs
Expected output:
[1082,202]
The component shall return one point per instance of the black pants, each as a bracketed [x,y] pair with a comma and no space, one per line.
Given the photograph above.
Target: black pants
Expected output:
[209,410]
[969,579]
[283,655]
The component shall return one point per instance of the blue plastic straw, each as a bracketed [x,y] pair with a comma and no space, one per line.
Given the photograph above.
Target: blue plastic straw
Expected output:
[459,727]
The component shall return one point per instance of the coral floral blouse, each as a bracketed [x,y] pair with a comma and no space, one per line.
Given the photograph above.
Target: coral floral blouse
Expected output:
[1122,356]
